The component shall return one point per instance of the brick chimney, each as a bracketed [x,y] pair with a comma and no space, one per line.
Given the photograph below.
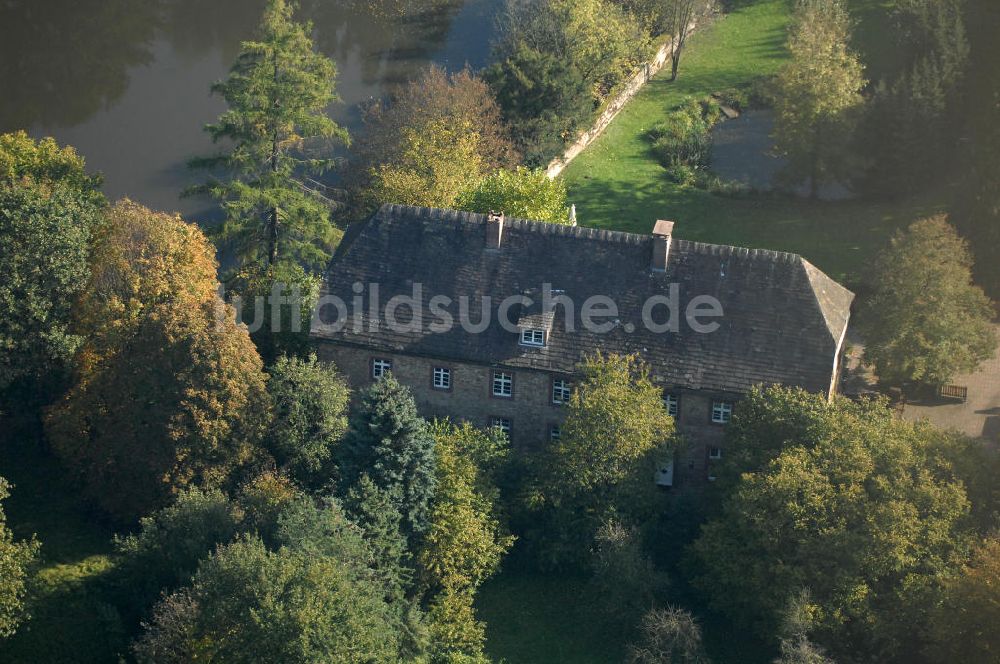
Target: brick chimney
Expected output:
[494,229]
[661,244]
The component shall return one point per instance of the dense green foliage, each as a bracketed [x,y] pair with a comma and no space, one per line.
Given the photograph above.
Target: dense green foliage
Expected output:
[279,135]
[925,320]
[48,208]
[815,94]
[297,604]
[466,539]
[16,558]
[911,124]
[163,554]
[308,406]
[169,390]
[523,193]
[682,141]
[390,442]
[615,433]
[555,61]
[863,510]
[544,99]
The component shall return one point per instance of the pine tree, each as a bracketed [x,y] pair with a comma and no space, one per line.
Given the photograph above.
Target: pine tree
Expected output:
[390,442]
[277,91]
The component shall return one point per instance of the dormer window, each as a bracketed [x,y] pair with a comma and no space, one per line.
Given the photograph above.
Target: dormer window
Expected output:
[532,337]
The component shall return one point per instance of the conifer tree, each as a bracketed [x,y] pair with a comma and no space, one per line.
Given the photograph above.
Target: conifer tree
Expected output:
[390,442]
[277,92]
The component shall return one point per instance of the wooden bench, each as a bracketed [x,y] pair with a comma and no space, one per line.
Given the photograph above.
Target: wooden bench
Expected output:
[959,392]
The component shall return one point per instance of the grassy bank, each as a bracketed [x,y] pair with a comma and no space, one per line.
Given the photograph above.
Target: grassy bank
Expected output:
[70,622]
[618,183]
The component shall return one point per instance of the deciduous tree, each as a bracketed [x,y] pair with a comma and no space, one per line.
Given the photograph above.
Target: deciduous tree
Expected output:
[309,407]
[615,433]
[466,539]
[439,161]
[926,321]
[524,193]
[816,92]
[249,604]
[669,636]
[16,558]
[169,390]
[48,209]
[859,507]
[458,101]
[963,626]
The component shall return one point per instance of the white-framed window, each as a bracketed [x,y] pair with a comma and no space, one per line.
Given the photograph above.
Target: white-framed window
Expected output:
[532,337]
[441,378]
[503,384]
[380,368]
[671,403]
[715,453]
[555,432]
[501,423]
[560,391]
[722,412]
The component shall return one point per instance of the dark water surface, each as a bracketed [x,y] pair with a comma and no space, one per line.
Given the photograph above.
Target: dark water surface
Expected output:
[127,81]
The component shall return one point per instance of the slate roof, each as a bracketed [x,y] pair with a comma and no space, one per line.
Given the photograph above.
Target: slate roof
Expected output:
[782,322]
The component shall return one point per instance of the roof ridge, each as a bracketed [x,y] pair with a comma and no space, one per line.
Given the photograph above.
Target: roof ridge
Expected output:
[729,249]
[532,225]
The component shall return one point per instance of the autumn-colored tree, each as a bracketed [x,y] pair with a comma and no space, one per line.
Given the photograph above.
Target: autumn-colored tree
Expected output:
[466,539]
[524,193]
[963,627]
[438,162]
[816,92]
[926,321]
[169,390]
[456,100]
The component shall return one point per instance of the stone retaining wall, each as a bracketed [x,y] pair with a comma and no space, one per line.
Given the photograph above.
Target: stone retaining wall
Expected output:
[639,79]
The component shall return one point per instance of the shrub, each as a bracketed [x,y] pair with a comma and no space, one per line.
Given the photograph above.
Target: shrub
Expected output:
[682,142]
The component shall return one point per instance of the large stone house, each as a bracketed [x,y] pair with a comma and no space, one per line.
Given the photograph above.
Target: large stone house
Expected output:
[759,317]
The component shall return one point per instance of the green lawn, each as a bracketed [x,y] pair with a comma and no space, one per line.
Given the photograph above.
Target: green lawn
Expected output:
[69,621]
[537,619]
[533,618]
[617,183]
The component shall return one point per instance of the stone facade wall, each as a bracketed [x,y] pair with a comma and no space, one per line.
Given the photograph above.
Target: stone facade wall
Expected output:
[530,410]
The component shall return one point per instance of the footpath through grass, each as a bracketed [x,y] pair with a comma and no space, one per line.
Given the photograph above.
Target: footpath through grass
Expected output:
[618,183]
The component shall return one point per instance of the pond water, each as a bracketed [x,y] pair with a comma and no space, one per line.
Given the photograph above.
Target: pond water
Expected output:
[127,81]
[742,151]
